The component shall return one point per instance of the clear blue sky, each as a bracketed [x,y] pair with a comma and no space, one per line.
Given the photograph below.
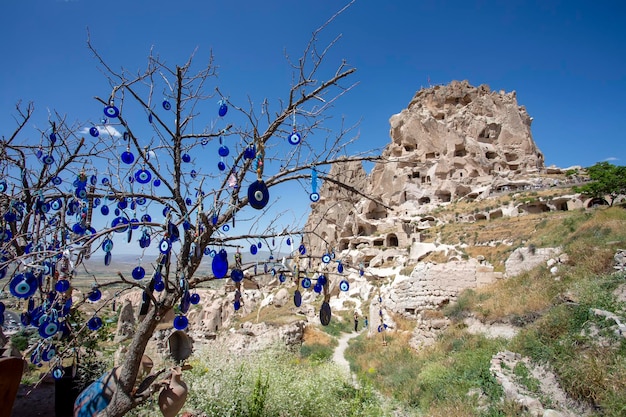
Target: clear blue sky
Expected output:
[565,59]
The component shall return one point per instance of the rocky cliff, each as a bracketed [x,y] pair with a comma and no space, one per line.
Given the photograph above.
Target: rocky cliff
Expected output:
[451,142]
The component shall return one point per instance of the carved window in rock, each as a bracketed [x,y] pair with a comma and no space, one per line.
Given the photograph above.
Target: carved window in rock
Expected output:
[444,196]
[424,200]
[392,240]
[378,242]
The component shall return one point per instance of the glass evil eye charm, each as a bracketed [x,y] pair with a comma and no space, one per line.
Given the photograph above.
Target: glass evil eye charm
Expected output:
[194,298]
[314,197]
[111,112]
[223,151]
[93,131]
[23,285]
[344,285]
[47,159]
[166,105]
[165,246]
[223,109]
[94,295]
[57,372]
[219,264]
[48,328]
[181,322]
[297,298]
[258,194]
[221,166]
[295,138]
[138,273]
[127,157]
[186,158]
[143,176]
[94,323]
[306,283]
[236,275]
[326,258]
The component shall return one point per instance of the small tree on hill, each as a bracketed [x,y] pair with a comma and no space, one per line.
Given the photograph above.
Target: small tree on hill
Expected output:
[606,180]
[165,164]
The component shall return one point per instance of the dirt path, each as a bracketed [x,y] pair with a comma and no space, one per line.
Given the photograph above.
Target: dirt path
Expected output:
[340,359]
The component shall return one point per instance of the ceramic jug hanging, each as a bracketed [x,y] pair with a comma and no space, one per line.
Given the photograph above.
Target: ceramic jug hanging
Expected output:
[173,397]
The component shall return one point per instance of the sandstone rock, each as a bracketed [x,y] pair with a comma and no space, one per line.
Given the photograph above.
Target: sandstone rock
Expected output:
[525,259]
[431,286]
[281,298]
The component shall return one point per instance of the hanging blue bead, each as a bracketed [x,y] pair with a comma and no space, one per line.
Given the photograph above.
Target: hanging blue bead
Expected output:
[127,157]
[94,323]
[62,285]
[295,138]
[322,280]
[219,265]
[180,322]
[48,328]
[166,105]
[250,151]
[156,182]
[194,298]
[104,210]
[223,108]
[306,283]
[165,246]
[48,160]
[186,158]
[94,295]
[111,111]
[223,151]
[143,176]
[138,273]
[221,166]
[23,285]
[93,131]
[236,275]
[159,286]
[340,267]
[344,285]
[57,372]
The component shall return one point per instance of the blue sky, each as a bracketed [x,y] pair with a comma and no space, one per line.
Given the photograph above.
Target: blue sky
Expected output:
[565,59]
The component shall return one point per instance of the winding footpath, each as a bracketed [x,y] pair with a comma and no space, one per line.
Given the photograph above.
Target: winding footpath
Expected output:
[339,357]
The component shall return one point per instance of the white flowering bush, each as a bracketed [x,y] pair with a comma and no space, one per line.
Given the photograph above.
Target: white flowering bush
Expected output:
[274,382]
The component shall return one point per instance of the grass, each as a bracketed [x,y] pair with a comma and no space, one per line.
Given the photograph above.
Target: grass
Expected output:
[557,328]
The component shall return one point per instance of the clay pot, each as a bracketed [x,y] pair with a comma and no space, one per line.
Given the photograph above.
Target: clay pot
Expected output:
[173,397]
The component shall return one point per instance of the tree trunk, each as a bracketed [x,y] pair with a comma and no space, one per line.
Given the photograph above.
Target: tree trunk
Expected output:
[122,400]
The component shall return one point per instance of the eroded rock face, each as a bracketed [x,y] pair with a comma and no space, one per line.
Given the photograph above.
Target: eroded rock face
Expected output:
[431,286]
[453,141]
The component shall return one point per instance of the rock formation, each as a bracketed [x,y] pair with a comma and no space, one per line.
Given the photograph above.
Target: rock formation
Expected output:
[451,142]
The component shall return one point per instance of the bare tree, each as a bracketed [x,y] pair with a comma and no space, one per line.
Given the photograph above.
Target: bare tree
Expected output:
[56,193]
